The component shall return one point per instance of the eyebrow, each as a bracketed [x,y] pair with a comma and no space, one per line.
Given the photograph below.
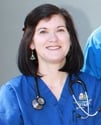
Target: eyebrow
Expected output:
[41,28]
[61,26]
[47,28]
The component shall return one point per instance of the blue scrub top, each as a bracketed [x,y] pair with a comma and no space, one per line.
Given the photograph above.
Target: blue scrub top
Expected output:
[17,95]
[92,54]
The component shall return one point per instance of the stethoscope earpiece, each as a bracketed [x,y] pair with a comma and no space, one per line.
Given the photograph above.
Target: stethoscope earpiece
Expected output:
[38,103]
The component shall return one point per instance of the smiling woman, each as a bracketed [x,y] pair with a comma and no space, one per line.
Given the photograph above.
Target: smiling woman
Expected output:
[50,59]
[51,40]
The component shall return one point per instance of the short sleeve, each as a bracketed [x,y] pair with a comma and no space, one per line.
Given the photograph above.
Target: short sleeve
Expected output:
[9,108]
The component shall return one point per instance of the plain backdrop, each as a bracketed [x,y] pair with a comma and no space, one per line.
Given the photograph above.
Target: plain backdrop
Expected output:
[86,15]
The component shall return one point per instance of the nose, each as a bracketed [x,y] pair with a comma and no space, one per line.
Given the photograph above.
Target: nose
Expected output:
[53,37]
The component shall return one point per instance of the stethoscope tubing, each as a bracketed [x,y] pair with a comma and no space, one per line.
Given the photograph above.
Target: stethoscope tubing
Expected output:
[79,81]
[39,102]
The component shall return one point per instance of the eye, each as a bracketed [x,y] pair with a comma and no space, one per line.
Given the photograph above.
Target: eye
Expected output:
[61,30]
[43,31]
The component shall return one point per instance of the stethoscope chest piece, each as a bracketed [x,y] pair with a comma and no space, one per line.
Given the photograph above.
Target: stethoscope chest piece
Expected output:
[38,103]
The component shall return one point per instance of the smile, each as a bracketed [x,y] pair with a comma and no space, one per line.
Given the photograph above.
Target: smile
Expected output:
[53,47]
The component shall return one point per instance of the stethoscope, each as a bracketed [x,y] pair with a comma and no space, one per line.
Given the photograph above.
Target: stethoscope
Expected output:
[39,102]
[80,82]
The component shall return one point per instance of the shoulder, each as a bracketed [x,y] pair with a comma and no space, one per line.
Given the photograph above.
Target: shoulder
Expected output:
[89,79]
[93,85]
[17,81]
[15,88]
[16,84]
[96,33]
[85,75]
[95,38]
[10,99]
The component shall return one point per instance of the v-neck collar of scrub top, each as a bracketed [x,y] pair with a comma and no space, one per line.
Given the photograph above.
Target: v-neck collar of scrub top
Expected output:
[50,98]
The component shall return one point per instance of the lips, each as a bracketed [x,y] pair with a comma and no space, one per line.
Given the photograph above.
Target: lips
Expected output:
[53,47]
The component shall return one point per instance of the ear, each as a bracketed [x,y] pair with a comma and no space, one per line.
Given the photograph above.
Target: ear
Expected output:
[31,46]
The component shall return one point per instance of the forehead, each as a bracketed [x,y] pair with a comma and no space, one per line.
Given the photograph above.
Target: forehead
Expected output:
[53,20]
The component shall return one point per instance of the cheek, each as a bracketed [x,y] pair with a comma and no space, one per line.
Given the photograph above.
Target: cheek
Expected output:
[38,45]
[67,42]
[67,45]
[38,40]
[35,42]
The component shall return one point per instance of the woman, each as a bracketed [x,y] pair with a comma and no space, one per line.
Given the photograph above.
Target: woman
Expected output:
[92,54]
[50,59]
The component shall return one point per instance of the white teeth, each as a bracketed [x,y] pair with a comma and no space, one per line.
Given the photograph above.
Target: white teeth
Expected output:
[53,47]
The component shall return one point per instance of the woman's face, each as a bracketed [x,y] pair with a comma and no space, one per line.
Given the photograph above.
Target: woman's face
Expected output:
[51,40]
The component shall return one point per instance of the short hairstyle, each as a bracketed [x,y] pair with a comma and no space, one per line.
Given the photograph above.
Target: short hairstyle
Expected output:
[74,58]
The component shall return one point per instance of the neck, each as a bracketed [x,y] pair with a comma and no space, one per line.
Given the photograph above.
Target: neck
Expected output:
[48,69]
[53,78]
[55,82]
